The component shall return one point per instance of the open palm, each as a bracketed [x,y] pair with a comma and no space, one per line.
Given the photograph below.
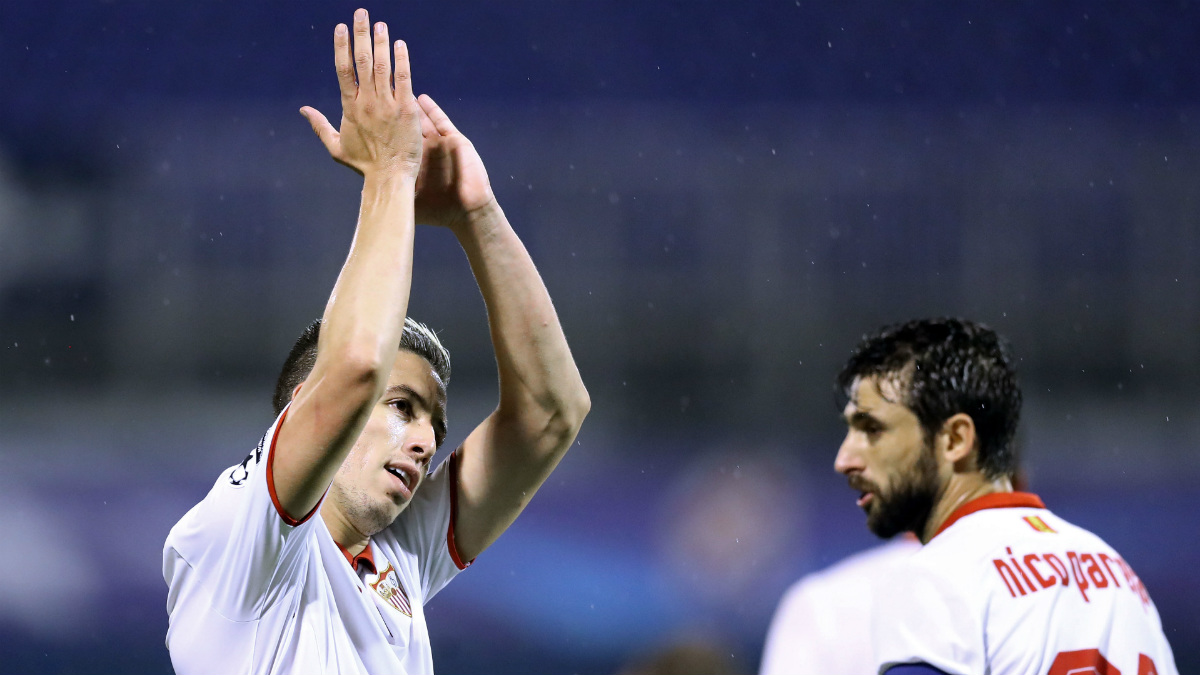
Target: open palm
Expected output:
[380,116]
[453,182]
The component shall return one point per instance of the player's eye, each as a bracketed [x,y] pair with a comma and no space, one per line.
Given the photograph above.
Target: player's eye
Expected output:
[869,427]
[402,406]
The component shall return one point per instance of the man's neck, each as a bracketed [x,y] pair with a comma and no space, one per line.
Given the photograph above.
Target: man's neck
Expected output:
[961,489]
[342,531]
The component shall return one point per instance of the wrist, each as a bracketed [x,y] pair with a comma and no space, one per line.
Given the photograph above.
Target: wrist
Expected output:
[383,181]
[480,220]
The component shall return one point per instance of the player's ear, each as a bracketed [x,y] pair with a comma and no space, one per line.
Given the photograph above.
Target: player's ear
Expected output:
[956,440]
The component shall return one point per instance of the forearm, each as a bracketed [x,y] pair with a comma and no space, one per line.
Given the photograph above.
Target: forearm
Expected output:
[364,317]
[542,398]
[360,333]
[541,391]
[380,138]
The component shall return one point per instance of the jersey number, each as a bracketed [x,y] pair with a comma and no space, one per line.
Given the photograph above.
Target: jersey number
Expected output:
[1092,662]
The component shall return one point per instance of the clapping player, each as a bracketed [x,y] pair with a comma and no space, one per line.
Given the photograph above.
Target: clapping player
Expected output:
[1002,586]
[317,553]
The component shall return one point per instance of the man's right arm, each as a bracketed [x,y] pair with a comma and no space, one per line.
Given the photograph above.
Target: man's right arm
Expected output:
[380,138]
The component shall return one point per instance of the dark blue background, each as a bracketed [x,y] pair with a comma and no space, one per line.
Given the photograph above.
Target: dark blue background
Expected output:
[721,196]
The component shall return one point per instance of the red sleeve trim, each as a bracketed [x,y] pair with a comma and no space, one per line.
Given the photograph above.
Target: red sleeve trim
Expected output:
[453,478]
[995,500]
[271,479]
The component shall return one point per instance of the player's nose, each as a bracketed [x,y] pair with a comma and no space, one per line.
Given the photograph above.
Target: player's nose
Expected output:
[421,441]
[848,458]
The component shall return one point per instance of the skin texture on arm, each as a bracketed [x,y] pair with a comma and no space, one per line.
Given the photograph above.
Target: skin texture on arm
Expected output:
[542,397]
[380,138]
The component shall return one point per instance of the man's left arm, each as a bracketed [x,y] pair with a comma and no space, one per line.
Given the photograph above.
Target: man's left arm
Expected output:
[542,397]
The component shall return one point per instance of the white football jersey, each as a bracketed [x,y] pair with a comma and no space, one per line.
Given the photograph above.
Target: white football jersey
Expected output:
[821,626]
[1007,588]
[252,590]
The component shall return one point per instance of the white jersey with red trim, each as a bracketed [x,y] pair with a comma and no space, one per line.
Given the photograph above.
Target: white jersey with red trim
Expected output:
[821,626]
[1007,588]
[253,591]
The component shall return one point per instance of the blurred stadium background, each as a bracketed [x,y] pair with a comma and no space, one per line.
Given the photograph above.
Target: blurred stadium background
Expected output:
[722,197]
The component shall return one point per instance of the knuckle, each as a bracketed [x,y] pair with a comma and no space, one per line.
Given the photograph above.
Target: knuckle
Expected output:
[381,68]
[362,59]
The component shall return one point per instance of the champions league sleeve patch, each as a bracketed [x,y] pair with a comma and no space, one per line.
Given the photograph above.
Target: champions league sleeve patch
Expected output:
[239,473]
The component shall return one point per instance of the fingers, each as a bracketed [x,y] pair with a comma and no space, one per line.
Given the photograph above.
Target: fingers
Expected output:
[440,121]
[368,61]
[403,73]
[343,62]
[323,129]
[427,128]
[363,61]
[383,61]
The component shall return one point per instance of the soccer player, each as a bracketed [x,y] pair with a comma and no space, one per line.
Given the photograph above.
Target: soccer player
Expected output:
[1001,586]
[823,623]
[316,553]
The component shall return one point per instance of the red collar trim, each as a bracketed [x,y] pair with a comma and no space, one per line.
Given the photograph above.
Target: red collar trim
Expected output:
[995,500]
[365,558]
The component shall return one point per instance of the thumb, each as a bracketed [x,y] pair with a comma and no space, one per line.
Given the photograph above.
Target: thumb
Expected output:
[322,128]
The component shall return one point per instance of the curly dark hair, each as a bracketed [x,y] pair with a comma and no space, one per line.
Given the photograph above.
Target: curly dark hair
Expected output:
[947,366]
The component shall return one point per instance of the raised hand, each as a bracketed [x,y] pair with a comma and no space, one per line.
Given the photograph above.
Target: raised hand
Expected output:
[380,130]
[453,183]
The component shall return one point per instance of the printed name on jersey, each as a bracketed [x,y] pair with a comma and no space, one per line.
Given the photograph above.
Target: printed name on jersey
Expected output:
[1084,661]
[239,473]
[389,588]
[1032,572]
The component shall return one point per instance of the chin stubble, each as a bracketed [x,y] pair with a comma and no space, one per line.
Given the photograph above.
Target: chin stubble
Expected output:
[367,515]
[908,505]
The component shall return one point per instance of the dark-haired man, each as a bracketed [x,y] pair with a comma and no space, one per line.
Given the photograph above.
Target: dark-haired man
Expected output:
[1001,586]
[256,583]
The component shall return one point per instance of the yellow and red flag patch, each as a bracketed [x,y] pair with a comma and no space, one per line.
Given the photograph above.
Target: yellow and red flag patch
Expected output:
[1039,524]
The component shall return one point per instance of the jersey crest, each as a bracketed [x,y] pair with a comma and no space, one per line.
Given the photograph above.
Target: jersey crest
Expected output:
[389,588]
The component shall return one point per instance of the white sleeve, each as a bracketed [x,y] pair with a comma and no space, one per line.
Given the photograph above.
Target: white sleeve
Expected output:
[794,645]
[424,528]
[921,616]
[238,543]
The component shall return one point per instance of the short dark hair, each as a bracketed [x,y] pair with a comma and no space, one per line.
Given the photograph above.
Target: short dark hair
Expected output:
[947,366]
[416,338]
